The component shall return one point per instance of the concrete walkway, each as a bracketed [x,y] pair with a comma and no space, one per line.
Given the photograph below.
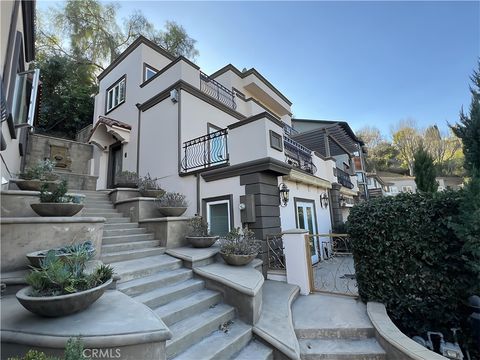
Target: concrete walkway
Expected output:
[334,327]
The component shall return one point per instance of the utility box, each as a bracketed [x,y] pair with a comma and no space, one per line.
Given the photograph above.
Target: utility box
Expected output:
[247,209]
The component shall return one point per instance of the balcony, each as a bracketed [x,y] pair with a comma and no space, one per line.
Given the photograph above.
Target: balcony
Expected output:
[298,155]
[344,178]
[205,151]
[217,91]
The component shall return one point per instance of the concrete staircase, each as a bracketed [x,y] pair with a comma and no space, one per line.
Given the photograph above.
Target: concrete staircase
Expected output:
[334,328]
[203,327]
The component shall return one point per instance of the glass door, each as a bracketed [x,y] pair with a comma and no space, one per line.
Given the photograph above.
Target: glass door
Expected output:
[218,217]
[306,220]
[217,146]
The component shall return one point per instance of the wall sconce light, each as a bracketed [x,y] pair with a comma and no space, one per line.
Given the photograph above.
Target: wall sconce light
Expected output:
[324,200]
[174,96]
[284,194]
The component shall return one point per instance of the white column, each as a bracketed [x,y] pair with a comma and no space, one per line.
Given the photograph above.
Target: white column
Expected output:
[296,259]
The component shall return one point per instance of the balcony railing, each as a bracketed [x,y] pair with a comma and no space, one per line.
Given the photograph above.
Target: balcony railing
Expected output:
[205,151]
[217,91]
[344,178]
[298,155]
[288,130]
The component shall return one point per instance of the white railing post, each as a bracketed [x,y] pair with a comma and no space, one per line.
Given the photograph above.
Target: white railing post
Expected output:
[297,259]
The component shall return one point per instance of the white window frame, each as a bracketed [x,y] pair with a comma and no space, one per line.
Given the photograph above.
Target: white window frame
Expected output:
[113,94]
[218,202]
[407,188]
[148,68]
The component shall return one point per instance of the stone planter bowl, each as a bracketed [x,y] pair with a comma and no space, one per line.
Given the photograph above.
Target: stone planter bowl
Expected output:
[56,209]
[55,306]
[172,211]
[201,241]
[35,258]
[36,185]
[238,260]
[126,184]
[152,193]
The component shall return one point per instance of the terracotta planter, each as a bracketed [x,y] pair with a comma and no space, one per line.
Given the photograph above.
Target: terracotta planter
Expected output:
[56,209]
[202,241]
[55,306]
[172,211]
[153,193]
[36,185]
[35,258]
[238,260]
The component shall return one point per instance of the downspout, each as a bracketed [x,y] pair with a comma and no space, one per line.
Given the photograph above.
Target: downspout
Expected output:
[198,194]
[179,122]
[138,137]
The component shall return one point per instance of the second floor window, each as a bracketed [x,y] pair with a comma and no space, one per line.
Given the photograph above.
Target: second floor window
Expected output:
[148,72]
[116,94]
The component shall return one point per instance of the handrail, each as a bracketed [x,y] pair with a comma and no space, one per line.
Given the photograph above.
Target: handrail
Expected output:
[205,151]
[216,90]
[344,178]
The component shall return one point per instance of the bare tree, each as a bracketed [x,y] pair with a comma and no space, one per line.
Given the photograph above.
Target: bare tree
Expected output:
[407,139]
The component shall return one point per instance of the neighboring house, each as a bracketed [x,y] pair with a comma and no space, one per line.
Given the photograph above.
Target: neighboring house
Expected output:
[449,182]
[397,183]
[222,140]
[376,186]
[336,140]
[19,86]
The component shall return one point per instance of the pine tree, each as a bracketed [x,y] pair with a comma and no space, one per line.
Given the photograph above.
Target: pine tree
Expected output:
[424,171]
[468,129]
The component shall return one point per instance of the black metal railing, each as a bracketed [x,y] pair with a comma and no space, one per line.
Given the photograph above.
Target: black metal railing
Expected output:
[288,130]
[298,155]
[344,178]
[205,151]
[217,91]
[275,254]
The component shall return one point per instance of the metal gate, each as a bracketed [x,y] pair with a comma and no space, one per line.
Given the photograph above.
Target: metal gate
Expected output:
[335,271]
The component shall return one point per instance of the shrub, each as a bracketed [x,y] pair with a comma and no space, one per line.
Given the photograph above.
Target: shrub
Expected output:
[59,195]
[43,171]
[238,242]
[73,351]
[147,183]
[198,227]
[408,257]
[170,199]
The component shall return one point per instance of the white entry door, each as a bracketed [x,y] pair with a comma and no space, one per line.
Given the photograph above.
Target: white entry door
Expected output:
[306,220]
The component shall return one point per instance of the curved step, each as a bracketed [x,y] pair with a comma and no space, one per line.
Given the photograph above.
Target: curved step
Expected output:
[138,268]
[134,245]
[340,349]
[255,350]
[131,254]
[157,280]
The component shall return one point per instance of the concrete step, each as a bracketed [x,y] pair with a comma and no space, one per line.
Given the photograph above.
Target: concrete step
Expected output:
[221,345]
[107,215]
[336,333]
[255,350]
[190,331]
[100,211]
[131,254]
[92,202]
[117,220]
[98,206]
[124,232]
[155,281]
[118,239]
[164,295]
[135,245]
[190,305]
[135,269]
[99,197]
[120,226]
[337,349]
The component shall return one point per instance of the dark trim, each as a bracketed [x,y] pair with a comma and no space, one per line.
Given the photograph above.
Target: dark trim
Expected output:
[265,164]
[124,76]
[18,66]
[10,49]
[132,47]
[110,176]
[276,136]
[196,172]
[343,124]
[238,93]
[28,16]
[228,197]
[297,200]
[182,85]
[165,68]
[210,125]
[179,131]
[145,66]
[263,115]
[250,72]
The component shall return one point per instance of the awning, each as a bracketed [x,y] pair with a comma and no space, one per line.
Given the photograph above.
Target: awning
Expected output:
[108,131]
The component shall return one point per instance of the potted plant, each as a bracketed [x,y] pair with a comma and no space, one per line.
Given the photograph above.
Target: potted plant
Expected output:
[126,179]
[33,178]
[149,187]
[199,236]
[62,287]
[35,258]
[171,204]
[56,202]
[239,247]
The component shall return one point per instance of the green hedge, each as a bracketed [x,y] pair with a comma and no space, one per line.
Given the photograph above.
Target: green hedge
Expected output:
[407,256]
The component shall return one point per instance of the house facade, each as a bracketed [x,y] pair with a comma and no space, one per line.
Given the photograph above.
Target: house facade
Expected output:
[19,85]
[224,140]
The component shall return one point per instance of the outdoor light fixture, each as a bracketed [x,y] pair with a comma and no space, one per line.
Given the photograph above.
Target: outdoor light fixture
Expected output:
[284,194]
[343,201]
[324,200]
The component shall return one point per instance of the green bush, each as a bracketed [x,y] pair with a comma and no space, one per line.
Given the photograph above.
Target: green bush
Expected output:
[409,257]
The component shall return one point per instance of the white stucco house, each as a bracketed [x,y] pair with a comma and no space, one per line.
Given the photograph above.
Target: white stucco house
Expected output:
[223,140]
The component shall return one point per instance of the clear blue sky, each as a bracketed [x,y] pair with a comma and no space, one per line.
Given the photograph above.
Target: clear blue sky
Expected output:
[369,63]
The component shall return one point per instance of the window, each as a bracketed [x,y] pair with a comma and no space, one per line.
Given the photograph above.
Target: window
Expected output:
[406,188]
[393,189]
[276,141]
[219,216]
[116,94]
[148,72]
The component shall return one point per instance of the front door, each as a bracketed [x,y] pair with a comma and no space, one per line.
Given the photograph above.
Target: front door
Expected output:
[115,164]
[306,220]
[218,217]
